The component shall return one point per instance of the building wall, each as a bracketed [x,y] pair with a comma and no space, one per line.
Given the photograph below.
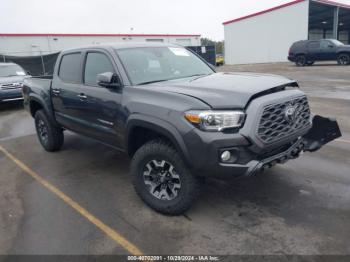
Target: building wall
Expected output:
[36,45]
[267,37]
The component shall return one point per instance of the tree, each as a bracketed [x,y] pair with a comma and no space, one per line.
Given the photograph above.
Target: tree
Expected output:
[206,41]
[220,47]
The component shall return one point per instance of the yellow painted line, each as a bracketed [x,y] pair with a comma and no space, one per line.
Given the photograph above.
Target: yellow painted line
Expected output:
[118,238]
[343,140]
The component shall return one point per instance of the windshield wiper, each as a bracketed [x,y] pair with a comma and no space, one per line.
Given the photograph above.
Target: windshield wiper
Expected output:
[151,82]
[163,80]
[197,75]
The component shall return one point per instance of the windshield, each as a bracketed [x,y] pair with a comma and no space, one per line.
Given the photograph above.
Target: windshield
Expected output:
[336,42]
[154,64]
[11,70]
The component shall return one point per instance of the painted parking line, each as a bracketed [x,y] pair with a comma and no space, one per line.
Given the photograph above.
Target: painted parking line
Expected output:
[113,234]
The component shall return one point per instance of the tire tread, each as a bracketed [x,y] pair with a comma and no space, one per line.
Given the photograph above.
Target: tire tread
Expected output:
[56,137]
[161,146]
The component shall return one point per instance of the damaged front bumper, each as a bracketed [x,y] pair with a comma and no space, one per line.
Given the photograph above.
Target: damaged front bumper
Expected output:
[323,131]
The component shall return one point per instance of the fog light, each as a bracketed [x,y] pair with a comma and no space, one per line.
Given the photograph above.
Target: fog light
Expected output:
[225,156]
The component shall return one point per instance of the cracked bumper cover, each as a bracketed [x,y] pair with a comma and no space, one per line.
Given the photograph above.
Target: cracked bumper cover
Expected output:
[205,158]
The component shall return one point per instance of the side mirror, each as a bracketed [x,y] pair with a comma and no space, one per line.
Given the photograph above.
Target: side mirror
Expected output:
[331,46]
[108,80]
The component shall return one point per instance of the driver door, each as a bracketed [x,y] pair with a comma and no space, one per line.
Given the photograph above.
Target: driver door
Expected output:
[328,50]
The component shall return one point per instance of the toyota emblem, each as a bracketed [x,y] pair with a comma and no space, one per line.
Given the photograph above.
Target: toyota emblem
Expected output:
[290,114]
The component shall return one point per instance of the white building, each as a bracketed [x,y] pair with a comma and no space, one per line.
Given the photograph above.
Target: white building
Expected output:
[266,36]
[37,44]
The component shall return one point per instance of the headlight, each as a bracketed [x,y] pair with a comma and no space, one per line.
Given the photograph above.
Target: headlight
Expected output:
[215,120]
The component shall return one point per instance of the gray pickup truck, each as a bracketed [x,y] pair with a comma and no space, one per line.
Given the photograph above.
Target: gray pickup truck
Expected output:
[176,118]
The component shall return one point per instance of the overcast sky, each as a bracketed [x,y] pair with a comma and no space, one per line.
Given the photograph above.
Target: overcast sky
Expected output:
[203,17]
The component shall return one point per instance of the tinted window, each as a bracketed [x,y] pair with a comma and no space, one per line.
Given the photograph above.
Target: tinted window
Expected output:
[96,63]
[336,42]
[11,70]
[70,68]
[326,44]
[298,45]
[314,45]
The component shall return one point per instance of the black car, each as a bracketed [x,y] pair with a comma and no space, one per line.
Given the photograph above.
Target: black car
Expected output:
[309,51]
[11,81]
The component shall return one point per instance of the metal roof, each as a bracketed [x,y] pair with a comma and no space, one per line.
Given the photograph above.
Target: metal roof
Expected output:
[123,45]
[326,2]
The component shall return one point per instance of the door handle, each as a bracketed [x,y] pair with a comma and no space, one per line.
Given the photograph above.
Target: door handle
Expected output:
[56,91]
[82,96]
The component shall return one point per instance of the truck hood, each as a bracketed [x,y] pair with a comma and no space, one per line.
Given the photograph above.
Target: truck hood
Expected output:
[223,90]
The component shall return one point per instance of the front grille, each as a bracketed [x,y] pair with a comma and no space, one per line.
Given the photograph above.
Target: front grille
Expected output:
[11,86]
[275,124]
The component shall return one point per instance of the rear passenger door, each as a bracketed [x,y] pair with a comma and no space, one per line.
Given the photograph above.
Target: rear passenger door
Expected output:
[102,106]
[314,51]
[65,90]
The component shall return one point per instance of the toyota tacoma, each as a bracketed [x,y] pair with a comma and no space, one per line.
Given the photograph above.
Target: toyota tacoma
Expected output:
[176,118]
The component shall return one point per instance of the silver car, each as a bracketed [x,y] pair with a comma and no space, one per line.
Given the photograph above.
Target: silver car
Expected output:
[11,81]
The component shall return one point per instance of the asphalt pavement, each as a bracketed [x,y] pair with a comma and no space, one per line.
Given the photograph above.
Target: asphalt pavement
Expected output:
[80,200]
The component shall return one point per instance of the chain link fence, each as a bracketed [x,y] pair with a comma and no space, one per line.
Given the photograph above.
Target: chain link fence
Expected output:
[208,53]
[42,65]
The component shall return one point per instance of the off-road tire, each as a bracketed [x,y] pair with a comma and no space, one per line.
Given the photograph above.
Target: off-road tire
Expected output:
[300,60]
[190,184]
[54,138]
[343,59]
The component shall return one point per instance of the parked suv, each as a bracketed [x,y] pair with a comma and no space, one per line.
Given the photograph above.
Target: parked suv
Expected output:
[176,118]
[308,52]
[11,81]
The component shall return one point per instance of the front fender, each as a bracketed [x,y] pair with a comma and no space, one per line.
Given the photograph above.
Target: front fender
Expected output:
[159,126]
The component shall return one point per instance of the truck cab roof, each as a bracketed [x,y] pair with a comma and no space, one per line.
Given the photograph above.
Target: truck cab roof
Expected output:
[123,46]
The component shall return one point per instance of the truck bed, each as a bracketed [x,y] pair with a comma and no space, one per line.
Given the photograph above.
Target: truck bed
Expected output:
[38,83]
[39,87]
